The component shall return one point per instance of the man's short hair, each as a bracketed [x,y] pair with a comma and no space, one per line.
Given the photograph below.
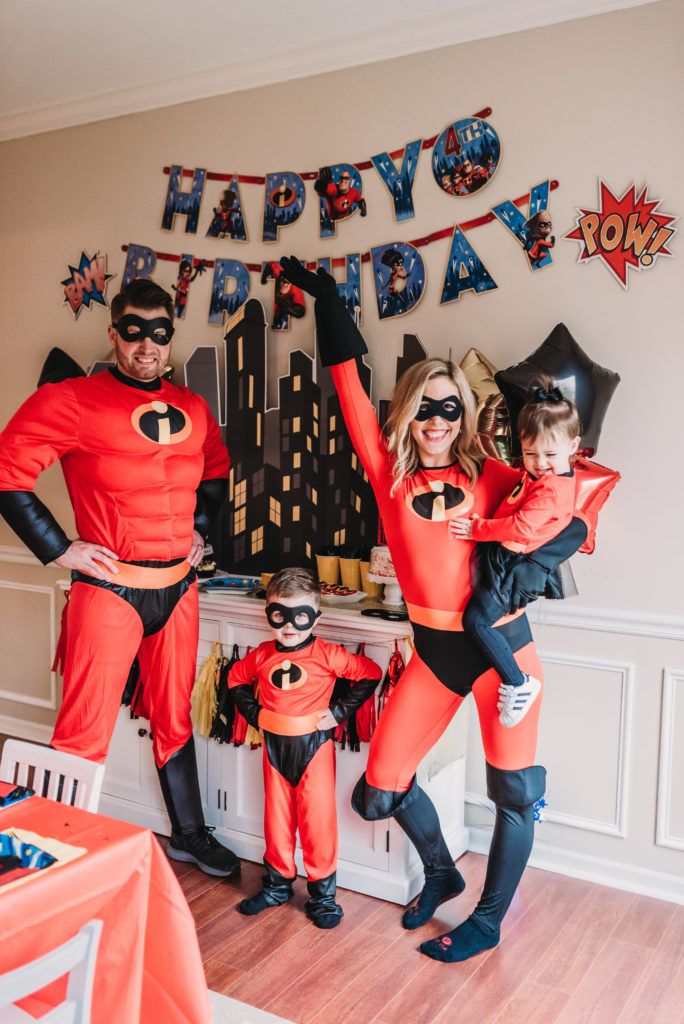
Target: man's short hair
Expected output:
[142,293]
[291,582]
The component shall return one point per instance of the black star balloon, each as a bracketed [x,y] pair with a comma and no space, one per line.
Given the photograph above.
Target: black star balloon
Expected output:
[580,379]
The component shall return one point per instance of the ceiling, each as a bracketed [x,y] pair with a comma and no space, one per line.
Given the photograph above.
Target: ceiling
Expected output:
[66,62]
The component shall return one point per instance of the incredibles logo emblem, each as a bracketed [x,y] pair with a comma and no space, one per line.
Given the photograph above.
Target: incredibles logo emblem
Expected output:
[161,423]
[439,501]
[517,491]
[287,676]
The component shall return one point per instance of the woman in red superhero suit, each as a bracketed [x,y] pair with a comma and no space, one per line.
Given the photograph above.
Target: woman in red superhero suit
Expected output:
[425,469]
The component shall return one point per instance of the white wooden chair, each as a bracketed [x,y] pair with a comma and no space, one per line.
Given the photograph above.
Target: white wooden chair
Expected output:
[56,775]
[75,958]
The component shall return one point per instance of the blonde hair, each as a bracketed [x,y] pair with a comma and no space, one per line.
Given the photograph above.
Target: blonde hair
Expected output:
[293,581]
[405,403]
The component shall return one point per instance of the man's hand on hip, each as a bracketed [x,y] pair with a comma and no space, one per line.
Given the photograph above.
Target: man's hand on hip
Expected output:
[197,550]
[88,558]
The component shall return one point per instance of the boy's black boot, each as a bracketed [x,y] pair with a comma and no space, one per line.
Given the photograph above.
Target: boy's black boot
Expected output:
[275,890]
[321,906]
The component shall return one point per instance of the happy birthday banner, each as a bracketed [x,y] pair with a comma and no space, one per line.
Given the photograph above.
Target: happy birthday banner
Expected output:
[465,157]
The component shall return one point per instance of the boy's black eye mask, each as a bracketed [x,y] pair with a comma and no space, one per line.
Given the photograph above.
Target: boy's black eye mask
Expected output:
[280,614]
[448,408]
[160,330]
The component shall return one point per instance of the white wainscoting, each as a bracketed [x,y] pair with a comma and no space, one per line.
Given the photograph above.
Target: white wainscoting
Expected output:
[670,780]
[49,702]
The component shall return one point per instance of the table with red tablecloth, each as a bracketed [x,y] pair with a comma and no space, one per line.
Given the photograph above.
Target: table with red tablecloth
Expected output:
[148,963]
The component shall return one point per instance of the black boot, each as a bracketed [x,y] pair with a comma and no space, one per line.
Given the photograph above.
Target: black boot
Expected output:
[191,840]
[443,881]
[275,890]
[514,793]
[321,906]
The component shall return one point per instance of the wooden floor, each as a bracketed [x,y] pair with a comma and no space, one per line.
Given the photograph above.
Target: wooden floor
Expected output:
[571,953]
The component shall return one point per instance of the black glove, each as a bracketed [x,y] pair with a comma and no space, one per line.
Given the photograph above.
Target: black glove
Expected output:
[34,523]
[210,495]
[358,694]
[535,574]
[362,207]
[319,284]
[246,703]
[323,180]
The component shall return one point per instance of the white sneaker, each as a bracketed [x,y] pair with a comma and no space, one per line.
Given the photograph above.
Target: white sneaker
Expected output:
[515,701]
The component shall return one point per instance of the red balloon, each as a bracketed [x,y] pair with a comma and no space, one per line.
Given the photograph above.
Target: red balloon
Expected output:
[594,483]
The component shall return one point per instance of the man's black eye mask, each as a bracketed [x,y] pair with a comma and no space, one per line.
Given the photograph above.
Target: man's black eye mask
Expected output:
[146,328]
[430,407]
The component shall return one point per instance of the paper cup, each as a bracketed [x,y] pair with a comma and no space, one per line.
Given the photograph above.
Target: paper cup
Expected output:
[328,569]
[372,589]
[350,573]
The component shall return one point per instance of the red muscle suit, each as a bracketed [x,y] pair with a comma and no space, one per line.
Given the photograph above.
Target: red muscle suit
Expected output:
[294,690]
[134,455]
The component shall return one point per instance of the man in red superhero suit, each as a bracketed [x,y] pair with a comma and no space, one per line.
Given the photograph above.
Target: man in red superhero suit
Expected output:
[470,177]
[295,674]
[340,197]
[446,667]
[146,472]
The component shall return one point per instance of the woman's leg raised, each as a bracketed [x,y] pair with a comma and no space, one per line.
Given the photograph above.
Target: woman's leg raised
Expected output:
[416,715]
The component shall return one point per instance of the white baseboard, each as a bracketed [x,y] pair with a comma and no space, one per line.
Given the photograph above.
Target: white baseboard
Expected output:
[615,874]
[22,729]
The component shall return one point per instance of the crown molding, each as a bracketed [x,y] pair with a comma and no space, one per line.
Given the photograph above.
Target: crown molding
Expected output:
[476,21]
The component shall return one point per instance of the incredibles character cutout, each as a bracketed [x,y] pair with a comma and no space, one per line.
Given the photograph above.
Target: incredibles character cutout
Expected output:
[466,156]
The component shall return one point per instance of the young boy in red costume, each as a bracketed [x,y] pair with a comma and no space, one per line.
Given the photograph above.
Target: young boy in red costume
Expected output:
[540,505]
[295,674]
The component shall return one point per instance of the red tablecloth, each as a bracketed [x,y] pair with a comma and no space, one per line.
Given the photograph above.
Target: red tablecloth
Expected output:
[148,964]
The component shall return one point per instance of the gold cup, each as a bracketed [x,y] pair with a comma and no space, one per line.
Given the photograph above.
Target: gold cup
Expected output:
[350,572]
[372,589]
[328,569]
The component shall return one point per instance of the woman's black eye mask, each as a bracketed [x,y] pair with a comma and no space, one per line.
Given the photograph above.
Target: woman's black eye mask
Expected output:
[448,408]
[160,330]
[280,614]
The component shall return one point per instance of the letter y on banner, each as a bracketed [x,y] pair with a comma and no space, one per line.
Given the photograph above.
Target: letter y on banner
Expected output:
[534,234]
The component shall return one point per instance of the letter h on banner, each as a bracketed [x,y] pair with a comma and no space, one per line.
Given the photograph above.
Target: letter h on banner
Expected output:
[187,203]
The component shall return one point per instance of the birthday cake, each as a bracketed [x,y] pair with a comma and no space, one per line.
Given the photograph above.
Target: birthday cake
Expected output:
[381,563]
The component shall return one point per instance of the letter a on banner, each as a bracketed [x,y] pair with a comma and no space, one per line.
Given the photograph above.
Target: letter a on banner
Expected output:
[140,262]
[534,234]
[187,203]
[350,290]
[283,202]
[399,278]
[400,183]
[224,301]
[465,271]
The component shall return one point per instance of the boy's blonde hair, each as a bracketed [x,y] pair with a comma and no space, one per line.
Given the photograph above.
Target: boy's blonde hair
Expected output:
[293,581]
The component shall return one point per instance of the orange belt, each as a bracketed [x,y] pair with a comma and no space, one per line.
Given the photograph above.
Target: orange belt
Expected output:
[434,618]
[147,577]
[289,725]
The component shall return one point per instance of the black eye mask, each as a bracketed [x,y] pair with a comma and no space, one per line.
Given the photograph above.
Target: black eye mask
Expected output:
[160,330]
[448,408]
[279,615]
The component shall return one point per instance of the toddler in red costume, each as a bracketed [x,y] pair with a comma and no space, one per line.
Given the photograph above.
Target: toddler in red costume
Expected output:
[540,505]
[295,674]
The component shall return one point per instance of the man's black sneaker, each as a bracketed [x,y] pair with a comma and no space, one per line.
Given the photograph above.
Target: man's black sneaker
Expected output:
[200,848]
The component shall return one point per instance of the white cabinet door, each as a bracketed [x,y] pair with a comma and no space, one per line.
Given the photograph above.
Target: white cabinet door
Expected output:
[130,773]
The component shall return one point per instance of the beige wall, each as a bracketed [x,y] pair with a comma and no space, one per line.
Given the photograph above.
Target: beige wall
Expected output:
[599,96]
